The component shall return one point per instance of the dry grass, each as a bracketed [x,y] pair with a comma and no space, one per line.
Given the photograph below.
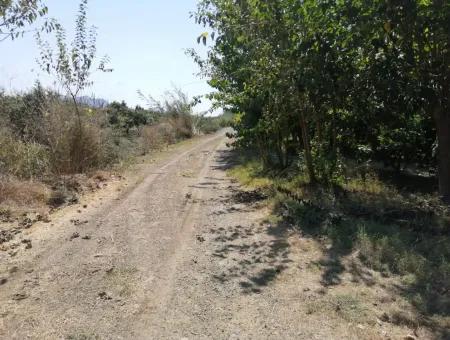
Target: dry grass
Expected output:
[23,194]
[155,137]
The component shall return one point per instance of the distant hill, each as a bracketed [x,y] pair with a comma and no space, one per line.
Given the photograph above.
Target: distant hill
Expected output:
[93,102]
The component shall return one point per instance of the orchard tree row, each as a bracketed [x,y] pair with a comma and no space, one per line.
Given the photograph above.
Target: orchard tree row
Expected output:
[333,80]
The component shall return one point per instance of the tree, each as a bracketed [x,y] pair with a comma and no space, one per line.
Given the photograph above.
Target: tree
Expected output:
[328,79]
[16,15]
[72,66]
[124,118]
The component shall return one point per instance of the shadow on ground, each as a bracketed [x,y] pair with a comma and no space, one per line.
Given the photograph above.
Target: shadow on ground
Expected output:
[405,237]
[400,237]
[254,254]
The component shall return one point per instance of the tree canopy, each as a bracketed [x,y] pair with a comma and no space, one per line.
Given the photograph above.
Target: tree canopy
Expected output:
[16,15]
[367,80]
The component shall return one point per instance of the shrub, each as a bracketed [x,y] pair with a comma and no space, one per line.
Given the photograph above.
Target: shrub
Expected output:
[24,160]
[71,150]
[153,137]
[182,126]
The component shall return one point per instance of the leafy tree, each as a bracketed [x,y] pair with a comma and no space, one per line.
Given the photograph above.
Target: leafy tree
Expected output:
[328,79]
[122,117]
[72,66]
[16,15]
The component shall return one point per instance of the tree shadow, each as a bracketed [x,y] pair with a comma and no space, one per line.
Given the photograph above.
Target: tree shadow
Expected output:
[366,233]
[409,182]
[254,254]
[393,235]
[225,159]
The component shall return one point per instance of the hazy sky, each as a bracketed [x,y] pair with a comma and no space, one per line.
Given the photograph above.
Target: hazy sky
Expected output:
[145,40]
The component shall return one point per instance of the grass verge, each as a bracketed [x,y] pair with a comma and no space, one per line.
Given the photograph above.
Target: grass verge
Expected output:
[400,233]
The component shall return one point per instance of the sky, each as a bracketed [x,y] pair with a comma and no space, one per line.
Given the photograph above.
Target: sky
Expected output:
[144,39]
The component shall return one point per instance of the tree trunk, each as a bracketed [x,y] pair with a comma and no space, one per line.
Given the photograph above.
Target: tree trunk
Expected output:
[307,146]
[442,118]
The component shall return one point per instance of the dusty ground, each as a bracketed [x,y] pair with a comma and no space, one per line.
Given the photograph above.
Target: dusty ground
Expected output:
[181,252]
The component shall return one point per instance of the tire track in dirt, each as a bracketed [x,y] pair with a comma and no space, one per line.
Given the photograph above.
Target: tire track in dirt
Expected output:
[156,306]
[73,287]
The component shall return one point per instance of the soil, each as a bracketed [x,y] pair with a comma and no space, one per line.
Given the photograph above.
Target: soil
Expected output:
[180,251]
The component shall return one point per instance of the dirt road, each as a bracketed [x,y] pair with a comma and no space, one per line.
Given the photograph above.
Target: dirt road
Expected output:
[181,254]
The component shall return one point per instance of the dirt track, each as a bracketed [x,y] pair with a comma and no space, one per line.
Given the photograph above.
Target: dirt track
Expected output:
[180,254]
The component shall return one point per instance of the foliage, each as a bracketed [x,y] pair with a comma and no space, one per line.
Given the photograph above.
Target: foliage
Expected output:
[40,134]
[24,113]
[121,117]
[23,159]
[16,15]
[325,80]
[72,67]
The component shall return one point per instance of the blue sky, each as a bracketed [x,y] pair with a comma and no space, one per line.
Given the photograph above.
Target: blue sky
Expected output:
[145,40]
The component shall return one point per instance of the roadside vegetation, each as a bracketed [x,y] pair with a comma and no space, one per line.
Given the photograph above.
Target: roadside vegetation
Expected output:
[53,145]
[40,146]
[342,119]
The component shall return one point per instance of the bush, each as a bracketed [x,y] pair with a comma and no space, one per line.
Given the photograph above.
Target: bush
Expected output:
[153,138]
[182,126]
[24,160]
[72,150]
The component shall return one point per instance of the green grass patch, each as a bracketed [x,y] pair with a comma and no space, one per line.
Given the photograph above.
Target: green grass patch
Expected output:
[252,175]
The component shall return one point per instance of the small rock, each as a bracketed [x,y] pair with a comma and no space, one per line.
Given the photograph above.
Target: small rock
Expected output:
[27,243]
[109,270]
[306,289]
[26,223]
[84,206]
[410,337]
[74,236]
[104,296]
[188,196]
[200,238]
[73,200]
[387,299]
[44,218]
[19,296]
[13,270]
[3,280]
[86,237]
